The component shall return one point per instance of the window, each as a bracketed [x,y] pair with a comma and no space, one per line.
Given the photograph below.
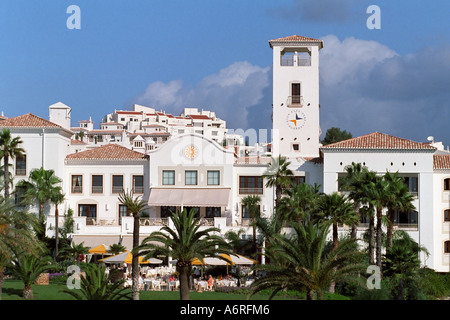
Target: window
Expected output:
[250,185]
[97,184]
[298,180]
[19,197]
[191,177]
[123,211]
[407,219]
[196,211]
[214,178]
[296,98]
[138,184]
[117,184]
[21,165]
[168,177]
[89,211]
[413,184]
[447,247]
[138,144]
[166,211]
[77,184]
[295,147]
[212,212]
[447,184]
[447,215]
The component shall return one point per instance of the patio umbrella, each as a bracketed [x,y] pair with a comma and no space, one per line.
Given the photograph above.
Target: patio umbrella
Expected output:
[126,257]
[100,249]
[238,259]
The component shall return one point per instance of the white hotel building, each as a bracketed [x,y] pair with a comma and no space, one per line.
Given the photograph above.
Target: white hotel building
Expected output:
[192,169]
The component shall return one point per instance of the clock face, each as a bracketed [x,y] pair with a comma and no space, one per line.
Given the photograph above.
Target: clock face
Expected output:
[191,152]
[296,120]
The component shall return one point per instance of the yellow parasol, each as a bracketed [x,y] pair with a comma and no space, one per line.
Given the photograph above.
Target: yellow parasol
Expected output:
[99,249]
[127,257]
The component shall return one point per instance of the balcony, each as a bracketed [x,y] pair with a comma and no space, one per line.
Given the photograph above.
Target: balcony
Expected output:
[291,61]
[295,101]
[250,190]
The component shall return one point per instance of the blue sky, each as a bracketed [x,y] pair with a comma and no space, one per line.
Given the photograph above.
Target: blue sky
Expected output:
[215,55]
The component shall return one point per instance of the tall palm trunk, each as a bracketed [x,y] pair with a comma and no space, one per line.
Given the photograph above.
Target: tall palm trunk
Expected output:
[6,174]
[390,230]
[379,236]
[371,240]
[184,281]
[27,292]
[56,230]
[135,260]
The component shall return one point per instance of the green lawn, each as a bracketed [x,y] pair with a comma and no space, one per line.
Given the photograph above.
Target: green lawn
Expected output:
[12,290]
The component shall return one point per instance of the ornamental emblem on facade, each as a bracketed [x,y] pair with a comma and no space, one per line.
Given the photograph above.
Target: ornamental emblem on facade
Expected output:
[191,152]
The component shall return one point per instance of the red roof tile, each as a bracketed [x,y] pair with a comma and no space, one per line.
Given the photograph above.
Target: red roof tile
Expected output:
[199,117]
[295,38]
[441,161]
[28,120]
[380,141]
[108,152]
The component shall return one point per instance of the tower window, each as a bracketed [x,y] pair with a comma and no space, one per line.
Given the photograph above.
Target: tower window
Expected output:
[295,99]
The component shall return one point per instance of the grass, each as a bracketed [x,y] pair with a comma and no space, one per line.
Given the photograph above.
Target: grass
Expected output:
[12,290]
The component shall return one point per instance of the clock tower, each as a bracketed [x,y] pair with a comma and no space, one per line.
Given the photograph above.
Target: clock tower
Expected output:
[296,128]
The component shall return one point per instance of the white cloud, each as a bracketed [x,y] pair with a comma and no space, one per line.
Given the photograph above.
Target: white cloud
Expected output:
[229,93]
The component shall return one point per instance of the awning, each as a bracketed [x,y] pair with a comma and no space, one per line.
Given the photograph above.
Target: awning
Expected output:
[194,197]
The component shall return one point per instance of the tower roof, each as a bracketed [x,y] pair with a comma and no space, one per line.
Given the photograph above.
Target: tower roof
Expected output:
[294,39]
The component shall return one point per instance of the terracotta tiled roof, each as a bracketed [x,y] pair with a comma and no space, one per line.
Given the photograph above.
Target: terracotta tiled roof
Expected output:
[380,141]
[128,112]
[295,38]
[108,152]
[28,120]
[72,141]
[199,117]
[441,161]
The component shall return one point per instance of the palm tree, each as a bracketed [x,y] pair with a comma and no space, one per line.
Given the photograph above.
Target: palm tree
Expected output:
[352,183]
[15,233]
[300,201]
[252,202]
[377,193]
[135,206]
[185,242]
[338,210]
[301,261]
[9,148]
[401,260]
[96,285]
[116,248]
[57,197]
[40,187]
[399,199]
[27,267]
[278,176]
[76,251]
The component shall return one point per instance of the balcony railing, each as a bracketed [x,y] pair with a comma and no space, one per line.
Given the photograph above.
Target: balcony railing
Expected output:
[154,221]
[290,61]
[117,189]
[295,101]
[97,189]
[250,190]
[138,189]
